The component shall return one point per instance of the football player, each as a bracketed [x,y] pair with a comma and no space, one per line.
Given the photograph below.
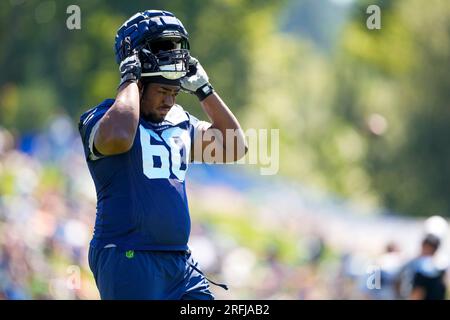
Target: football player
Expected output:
[138,147]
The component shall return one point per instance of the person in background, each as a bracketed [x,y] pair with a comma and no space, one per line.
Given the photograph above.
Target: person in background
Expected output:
[423,278]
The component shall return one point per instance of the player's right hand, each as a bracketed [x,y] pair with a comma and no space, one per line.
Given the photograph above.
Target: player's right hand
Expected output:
[130,67]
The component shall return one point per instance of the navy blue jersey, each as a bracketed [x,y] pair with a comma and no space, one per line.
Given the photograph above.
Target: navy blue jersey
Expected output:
[141,194]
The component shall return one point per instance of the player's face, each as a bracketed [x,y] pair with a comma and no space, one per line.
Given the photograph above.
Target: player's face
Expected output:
[157,100]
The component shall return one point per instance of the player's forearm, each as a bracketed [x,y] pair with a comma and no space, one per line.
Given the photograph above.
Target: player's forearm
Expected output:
[224,120]
[117,128]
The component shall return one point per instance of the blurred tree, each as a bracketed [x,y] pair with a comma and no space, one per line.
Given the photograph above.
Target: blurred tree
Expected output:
[76,69]
[393,88]
[370,123]
[317,20]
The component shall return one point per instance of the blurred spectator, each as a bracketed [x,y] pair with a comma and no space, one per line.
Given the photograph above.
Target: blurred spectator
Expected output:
[389,265]
[316,249]
[423,278]
[47,204]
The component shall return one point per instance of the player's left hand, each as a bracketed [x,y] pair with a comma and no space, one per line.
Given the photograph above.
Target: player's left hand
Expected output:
[196,80]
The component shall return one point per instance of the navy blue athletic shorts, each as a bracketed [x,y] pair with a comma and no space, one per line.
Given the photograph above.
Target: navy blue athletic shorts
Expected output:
[145,275]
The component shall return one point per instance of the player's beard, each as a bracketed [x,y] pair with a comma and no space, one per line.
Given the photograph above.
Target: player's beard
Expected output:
[150,114]
[155,115]
[152,117]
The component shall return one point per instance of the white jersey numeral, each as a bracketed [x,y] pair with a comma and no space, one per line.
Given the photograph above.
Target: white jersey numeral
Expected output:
[158,160]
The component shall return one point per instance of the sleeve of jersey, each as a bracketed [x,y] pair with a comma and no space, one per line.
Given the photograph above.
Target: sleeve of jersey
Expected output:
[87,126]
[197,128]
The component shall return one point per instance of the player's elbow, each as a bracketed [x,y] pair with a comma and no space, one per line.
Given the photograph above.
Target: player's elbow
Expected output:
[114,144]
[120,145]
[241,146]
[245,150]
[241,152]
[237,153]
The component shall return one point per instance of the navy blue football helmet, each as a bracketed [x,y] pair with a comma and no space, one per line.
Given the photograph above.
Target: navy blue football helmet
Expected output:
[161,41]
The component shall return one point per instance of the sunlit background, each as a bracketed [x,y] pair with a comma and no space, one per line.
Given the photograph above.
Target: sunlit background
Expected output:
[364,142]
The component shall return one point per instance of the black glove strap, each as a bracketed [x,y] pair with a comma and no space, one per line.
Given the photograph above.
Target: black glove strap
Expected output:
[204,91]
[129,77]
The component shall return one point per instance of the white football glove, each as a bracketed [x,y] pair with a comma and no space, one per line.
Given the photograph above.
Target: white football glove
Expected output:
[196,80]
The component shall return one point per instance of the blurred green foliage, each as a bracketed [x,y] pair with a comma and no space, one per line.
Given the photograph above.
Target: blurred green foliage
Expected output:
[401,73]
[366,114]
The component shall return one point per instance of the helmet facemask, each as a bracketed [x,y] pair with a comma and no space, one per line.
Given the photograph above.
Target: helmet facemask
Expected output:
[166,56]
